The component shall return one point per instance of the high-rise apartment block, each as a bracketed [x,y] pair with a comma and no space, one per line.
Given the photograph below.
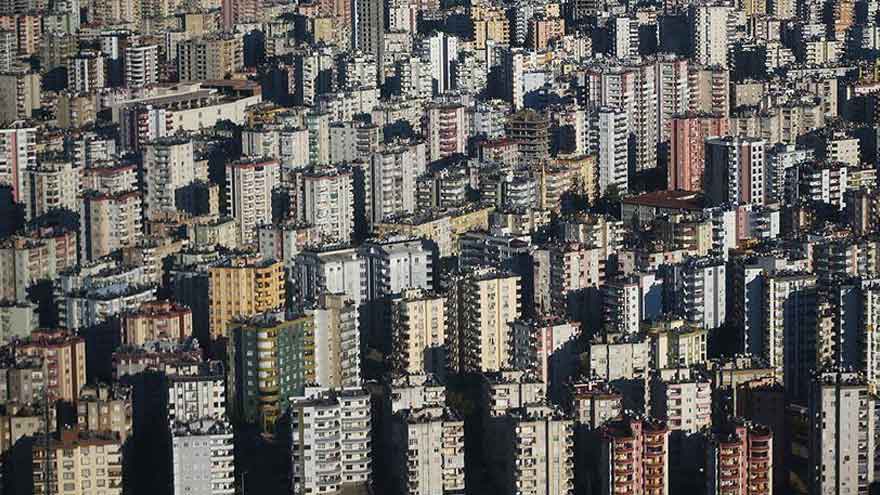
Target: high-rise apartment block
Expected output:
[141,65]
[195,392]
[18,153]
[391,180]
[330,444]
[687,148]
[428,451]
[169,165]
[418,332]
[77,461]
[210,57]
[271,360]
[64,360]
[157,321]
[109,222]
[202,457]
[243,287]
[481,305]
[51,185]
[635,457]
[739,460]
[842,436]
[532,448]
[249,186]
[734,171]
[105,408]
[325,199]
[338,343]
[447,131]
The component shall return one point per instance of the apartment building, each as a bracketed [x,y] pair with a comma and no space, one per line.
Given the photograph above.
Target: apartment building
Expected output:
[418,332]
[698,290]
[842,436]
[687,157]
[196,390]
[734,170]
[86,72]
[630,88]
[261,384]
[481,304]
[105,408]
[338,343]
[202,457]
[447,131]
[242,286]
[210,57]
[330,444]
[391,180]
[790,301]
[249,186]
[635,457]
[739,460]
[34,256]
[51,185]
[109,222]
[76,461]
[141,65]
[157,321]
[677,344]
[533,451]
[168,166]
[18,153]
[594,403]
[428,451]
[64,361]
[325,199]
[682,399]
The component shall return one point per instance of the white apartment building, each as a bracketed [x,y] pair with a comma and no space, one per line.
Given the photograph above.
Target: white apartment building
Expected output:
[710,33]
[391,180]
[18,152]
[141,66]
[699,289]
[622,305]
[790,307]
[398,263]
[325,199]
[683,399]
[734,171]
[202,458]
[330,444]
[843,423]
[428,452]
[168,166]
[414,391]
[331,271]
[249,186]
[85,73]
[511,389]
[610,142]
[631,88]
[196,392]
[673,93]
[533,451]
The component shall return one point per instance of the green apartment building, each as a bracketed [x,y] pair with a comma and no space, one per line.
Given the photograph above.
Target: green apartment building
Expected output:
[271,359]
